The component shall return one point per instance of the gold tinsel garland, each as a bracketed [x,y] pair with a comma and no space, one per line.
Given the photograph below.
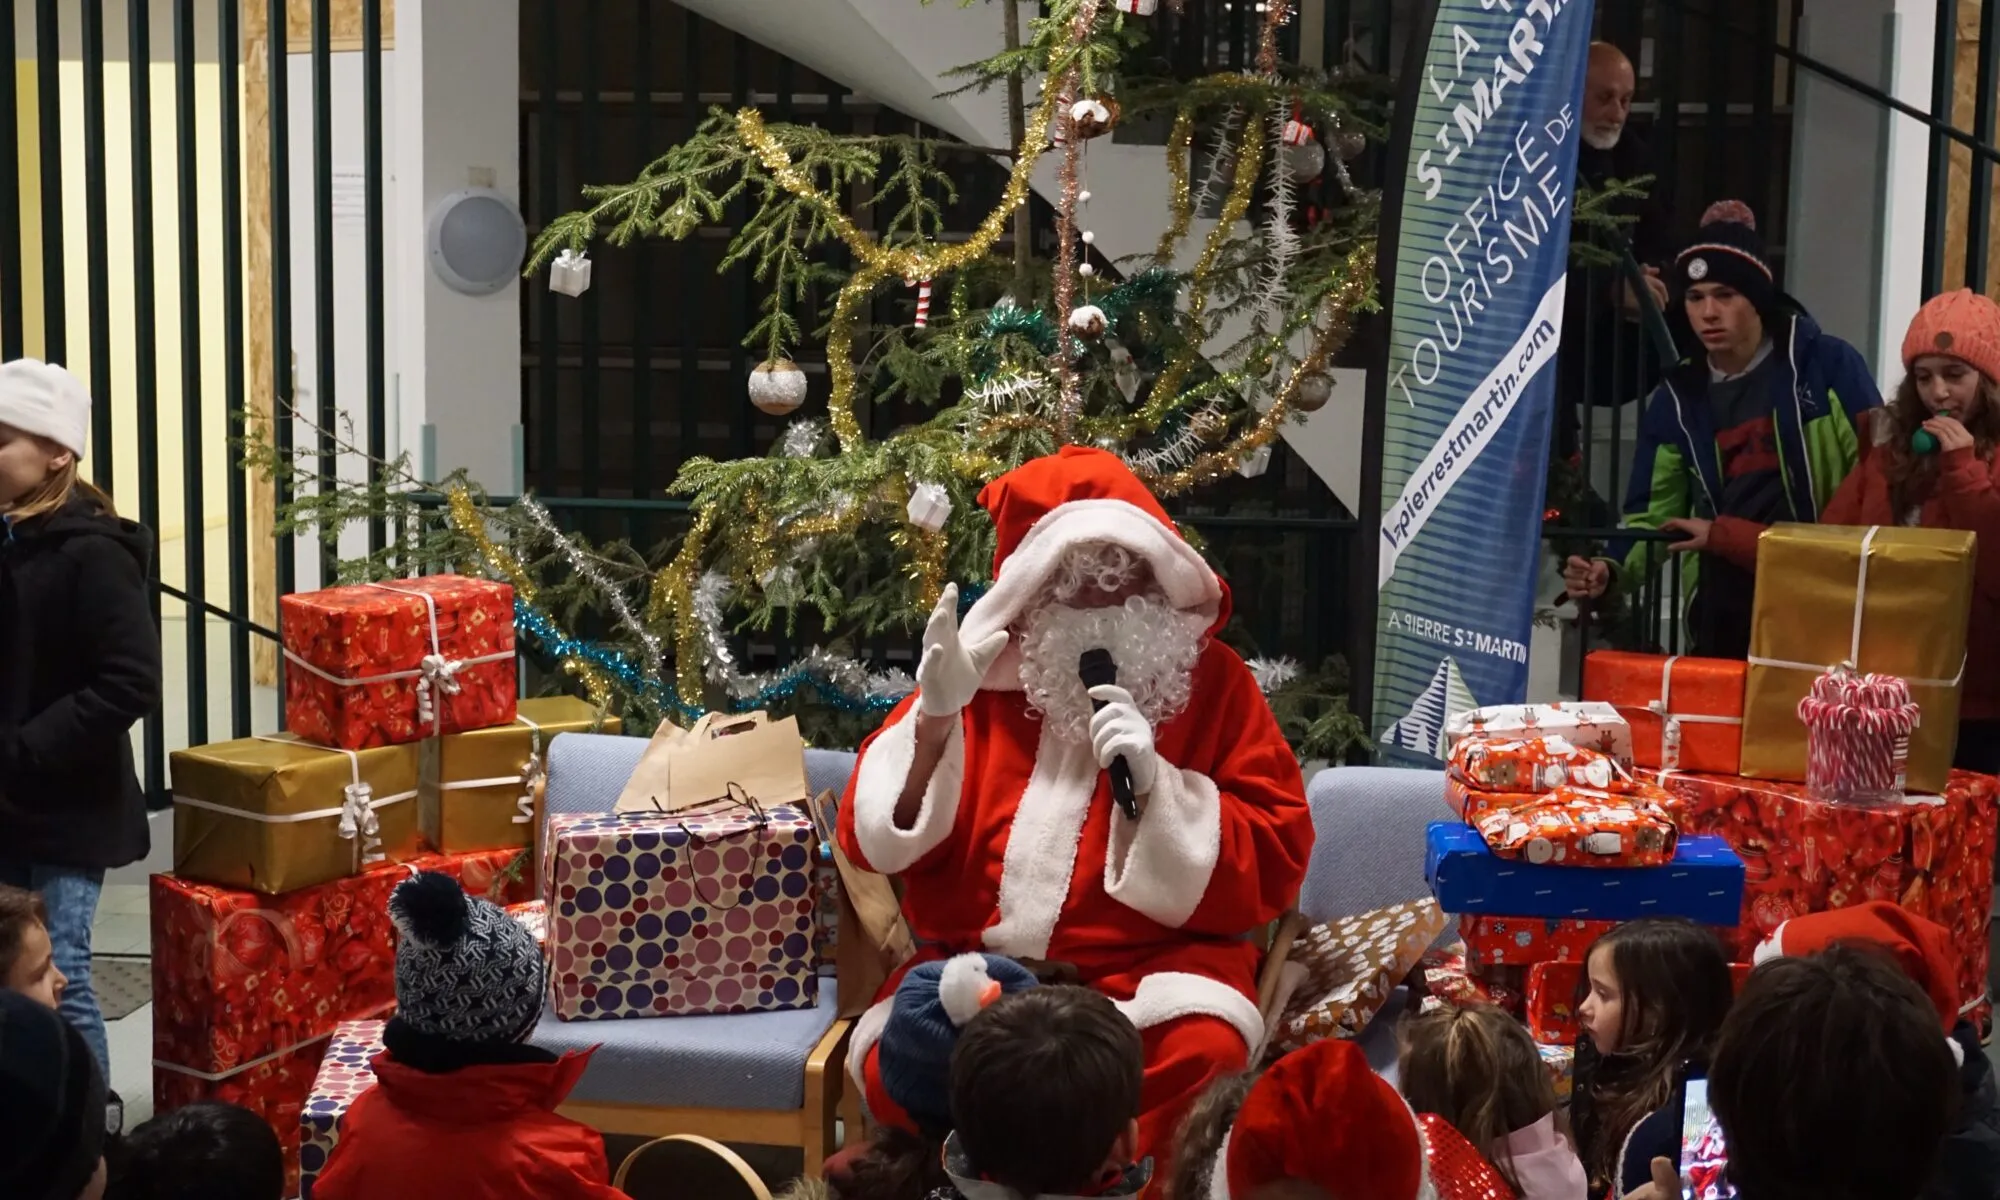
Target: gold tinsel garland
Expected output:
[1180,196]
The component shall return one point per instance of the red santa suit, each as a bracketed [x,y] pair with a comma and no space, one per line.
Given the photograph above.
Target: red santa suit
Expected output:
[1018,849]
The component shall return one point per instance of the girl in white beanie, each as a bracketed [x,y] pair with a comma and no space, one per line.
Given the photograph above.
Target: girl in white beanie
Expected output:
[79,666]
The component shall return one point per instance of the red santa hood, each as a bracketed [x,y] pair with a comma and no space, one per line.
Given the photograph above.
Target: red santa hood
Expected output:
[1921,947]
[1043,508]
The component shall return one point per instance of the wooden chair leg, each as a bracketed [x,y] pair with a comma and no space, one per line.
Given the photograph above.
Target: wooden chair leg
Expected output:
[824,1069]
[851,1120]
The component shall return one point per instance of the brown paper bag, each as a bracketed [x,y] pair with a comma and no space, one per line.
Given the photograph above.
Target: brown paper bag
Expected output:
[874,937]
[741,755]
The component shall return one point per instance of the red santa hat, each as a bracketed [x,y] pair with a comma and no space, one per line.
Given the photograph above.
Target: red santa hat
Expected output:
[1921,947]
[1320,1116]
[1080,495]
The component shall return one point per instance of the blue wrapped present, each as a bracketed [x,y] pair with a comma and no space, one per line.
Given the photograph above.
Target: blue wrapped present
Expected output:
[1704,883]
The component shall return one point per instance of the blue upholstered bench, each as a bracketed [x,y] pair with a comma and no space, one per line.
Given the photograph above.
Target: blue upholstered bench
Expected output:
[771,1078]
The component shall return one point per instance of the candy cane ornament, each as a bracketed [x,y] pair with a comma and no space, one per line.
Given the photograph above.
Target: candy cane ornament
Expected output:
[1857,735]
[923,287]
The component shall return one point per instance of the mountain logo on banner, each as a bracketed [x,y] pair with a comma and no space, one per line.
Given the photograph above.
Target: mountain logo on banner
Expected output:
[1421,730]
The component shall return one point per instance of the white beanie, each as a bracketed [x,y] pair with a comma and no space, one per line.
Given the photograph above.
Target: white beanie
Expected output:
[45,400]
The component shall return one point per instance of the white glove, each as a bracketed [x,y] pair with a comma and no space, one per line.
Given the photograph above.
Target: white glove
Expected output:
[949,673]
[1119,729]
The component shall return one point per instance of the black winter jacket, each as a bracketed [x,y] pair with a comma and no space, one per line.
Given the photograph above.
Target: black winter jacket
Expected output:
[1969,1169]
[79,666]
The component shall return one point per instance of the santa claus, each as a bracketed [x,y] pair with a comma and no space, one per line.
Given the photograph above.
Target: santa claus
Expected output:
[987,794]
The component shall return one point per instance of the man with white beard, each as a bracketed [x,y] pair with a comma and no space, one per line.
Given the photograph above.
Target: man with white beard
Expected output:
[987,793]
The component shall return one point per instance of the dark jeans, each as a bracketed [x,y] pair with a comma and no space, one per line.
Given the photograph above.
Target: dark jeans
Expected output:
[70,896]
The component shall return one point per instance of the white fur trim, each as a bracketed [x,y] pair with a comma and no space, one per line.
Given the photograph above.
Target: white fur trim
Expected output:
[1040,858]
[962,987]
[878,784]
[1171,995]
[1188,581]
[1770,948]
[1218,1175]
[1161,863]
[1957,1051]
[868,1029]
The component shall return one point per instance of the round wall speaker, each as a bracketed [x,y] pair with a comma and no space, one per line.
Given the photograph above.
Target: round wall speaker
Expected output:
[477,239]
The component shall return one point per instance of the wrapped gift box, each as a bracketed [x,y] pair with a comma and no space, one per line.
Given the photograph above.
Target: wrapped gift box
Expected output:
[384,664]
[1592,726]
[239,977]
[1448,977]
[1685,713]
[1351,967]
[826,907]
[274,1090]
[276,814]
[1525,941]
[1561,1062]
[706,910]
[1704,882]
[1931,854]
[534,917]
[476,788]
[1909,622]
[344,1074]
[1584,827]
[1533,765]
[1471,803]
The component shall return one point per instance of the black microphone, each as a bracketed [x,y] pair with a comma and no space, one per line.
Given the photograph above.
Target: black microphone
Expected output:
[1096,669]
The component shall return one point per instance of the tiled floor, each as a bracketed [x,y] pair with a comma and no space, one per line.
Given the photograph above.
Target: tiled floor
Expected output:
[123,925]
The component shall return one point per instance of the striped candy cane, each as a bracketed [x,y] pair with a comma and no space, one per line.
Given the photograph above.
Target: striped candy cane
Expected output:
[1857,735]
[923,287]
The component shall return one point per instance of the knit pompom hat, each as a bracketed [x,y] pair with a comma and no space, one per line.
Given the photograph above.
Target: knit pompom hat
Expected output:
[1728,251]
[908,1073]
[1922,948]
[45,400]
[1321,1116]
[465,971]
[1962,324]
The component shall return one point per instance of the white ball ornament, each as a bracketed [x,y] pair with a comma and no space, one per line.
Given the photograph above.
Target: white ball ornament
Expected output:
[777,386]
[1089,238]
[1086,270]
[1083,197]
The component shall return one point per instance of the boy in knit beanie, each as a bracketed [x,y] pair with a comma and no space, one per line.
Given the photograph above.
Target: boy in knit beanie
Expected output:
[51,1106]
[1762,426]
[462,1105]
[906,1077]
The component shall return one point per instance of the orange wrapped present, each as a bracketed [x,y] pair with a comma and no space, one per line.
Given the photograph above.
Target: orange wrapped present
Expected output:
[1686,713]
[1472,803]
[1932,855]
[1585,827]
[1536,764]
[1445,977]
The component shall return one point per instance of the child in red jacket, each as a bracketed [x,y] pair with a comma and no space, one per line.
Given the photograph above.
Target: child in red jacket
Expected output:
[462,1107]
[1933,466]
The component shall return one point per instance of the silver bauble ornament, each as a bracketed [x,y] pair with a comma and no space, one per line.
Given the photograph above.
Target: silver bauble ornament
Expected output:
[1304,163]
[1314,391]
[777,386]
[1349,144]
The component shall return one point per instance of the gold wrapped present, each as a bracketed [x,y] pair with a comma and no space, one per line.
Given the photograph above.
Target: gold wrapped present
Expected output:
[1890,601]
[477,788]
[274,814]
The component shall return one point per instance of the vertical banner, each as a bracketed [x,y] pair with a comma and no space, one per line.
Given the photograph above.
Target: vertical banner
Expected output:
[1475,325]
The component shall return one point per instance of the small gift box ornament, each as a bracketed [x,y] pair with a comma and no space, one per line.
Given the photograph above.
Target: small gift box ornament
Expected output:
[929,507]
[1857,736]
[569,274]
[1138,8]
[1255,463]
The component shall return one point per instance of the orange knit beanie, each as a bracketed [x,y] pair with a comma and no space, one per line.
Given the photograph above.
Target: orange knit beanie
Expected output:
[1962,324]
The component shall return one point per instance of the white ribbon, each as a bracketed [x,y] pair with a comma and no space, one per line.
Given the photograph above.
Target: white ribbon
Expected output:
[356,814]
[531,773]
[1854,637]
[1671,721]
[434,674]
[238,1069]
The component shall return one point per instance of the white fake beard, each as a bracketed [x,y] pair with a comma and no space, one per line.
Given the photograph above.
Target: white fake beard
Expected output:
[1603,137]
[1155,646]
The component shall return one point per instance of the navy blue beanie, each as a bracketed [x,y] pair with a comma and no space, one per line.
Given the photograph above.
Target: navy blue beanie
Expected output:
[932,1004]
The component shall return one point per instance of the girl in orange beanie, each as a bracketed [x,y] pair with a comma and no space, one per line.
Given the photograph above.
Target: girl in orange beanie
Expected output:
[1933,467]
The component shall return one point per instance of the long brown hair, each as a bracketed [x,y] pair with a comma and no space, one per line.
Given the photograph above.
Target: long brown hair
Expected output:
[1913,477]
[1202,1130]
[55,492]
[1478,1069]
[1673,979]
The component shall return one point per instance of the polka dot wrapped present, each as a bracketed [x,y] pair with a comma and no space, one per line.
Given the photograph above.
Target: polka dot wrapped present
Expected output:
[344,1074]
[708,910]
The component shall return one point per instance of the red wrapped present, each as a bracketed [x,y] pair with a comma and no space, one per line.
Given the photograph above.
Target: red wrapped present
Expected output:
[381,664]
[1446,977]
[1932,855]
[275,1089]
[1552,999]
[239,977]
[1685,713]
[1584,827]
[1532,765]
[1525,941]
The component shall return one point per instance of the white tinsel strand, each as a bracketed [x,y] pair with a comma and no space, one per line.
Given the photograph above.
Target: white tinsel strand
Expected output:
[1185,446]
[1005,392]
[803,438]
[1282,239]
[1223,157]
[847,676]
[1272,673]
[587,569]
[711,592]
